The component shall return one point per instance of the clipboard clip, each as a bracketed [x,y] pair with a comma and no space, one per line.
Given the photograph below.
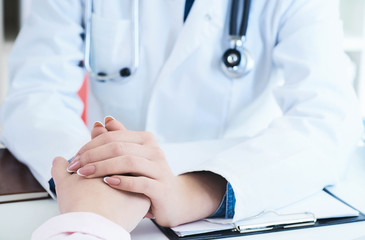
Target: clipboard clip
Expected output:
[275,221]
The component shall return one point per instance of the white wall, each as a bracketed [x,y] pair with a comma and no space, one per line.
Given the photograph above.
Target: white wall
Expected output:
[2,55]
[353,15]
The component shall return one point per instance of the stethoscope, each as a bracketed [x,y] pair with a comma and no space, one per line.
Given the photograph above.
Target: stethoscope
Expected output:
[124,72]
[236,60]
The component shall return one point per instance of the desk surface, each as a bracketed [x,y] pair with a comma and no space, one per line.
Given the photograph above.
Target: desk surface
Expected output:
[19,220]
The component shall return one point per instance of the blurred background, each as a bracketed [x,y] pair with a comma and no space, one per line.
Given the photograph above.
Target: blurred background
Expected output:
[13,13]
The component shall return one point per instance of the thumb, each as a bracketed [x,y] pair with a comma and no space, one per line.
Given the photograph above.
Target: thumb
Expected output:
[59,169]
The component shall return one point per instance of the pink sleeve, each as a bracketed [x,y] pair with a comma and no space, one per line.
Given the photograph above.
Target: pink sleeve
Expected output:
[80,225]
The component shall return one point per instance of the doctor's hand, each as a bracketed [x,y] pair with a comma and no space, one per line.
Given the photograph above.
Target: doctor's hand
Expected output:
[77,194]
[135,163]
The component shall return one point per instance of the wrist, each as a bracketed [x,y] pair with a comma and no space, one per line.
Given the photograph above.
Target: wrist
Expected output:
[129,216]
[133,207]
[200,194]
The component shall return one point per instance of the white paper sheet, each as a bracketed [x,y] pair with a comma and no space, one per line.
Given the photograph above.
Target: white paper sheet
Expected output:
[321,205]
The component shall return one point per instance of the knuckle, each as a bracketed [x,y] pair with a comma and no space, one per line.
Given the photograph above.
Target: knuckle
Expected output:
[136,184]
[106,137]
[119,148]
[129,162]
[128,184]
[158,153]
[148,136]
[85,158]
[143,185]
[106,167]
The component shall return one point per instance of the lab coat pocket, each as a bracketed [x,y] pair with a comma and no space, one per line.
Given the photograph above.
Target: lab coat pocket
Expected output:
[111,44]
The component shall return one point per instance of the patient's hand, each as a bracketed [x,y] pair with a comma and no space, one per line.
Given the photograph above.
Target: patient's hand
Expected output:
[135,163]
[77,194]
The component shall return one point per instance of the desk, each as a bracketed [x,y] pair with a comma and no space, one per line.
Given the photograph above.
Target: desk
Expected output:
[19,220]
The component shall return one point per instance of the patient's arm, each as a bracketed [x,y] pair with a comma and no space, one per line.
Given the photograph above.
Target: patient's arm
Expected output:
[77,194]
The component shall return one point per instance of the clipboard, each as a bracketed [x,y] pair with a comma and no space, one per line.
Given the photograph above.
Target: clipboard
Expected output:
[282,222]
[16,181]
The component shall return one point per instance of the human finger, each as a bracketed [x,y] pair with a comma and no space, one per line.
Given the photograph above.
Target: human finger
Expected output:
[143,185]
[59,167]
[105,138]
[98,129]
[115,149]
[113,125]
[132,165]
[143,138]
[110,137]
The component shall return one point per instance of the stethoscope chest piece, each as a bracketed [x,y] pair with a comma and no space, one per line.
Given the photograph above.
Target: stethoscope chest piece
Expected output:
[237,62]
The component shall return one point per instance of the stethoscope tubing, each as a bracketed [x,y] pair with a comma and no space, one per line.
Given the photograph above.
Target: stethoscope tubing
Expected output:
[234,31]
[136,35]
[102,77]
[236,38]
[237,60]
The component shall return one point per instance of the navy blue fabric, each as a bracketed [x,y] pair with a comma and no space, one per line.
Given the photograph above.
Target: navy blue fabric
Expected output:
[231,202]
[188,5]
[52,185]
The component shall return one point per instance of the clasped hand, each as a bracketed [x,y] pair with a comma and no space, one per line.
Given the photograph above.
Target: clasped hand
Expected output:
[132,161]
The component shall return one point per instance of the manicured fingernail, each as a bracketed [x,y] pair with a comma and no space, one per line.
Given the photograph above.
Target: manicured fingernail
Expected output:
[108,119]
[98,124]
[86,171]
[112,181]
[74,159]
[73,167]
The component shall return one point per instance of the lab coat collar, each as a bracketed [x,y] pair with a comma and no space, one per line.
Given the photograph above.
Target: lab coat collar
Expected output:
[205,17]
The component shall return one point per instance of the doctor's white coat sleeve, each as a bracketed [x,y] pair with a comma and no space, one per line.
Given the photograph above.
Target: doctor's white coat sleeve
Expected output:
[41,115]
[305,149]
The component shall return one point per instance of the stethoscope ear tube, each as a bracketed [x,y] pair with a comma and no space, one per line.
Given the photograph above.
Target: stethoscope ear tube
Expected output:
[246,15]
[124,72]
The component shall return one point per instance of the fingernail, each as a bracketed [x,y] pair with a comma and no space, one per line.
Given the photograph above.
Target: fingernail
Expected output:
[108,119]
[86,171]
[73,167]
[112,181]
[75,159]
[98,124]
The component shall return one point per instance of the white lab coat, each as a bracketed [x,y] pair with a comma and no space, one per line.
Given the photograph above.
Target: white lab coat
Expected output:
[277,135]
